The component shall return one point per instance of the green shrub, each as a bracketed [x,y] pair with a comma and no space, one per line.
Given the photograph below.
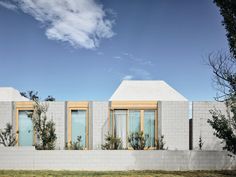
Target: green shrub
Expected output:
[7,136]
[137,140]
[112,143]
[160,144]
[75,145]
[44,129]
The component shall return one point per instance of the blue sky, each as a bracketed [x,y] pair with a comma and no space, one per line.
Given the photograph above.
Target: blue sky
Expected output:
[83,50]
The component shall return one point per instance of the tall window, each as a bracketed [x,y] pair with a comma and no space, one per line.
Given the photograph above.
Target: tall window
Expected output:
[111,122]
[78,126]
[134,121]
[25,129]
[149,127]
[120,125]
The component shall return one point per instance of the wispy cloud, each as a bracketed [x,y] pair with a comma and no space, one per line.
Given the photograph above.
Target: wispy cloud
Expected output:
[137,73]
[8,5]
[117,57]
[135,67]
[82,23]
[127,77]
[140,73]
[128,57]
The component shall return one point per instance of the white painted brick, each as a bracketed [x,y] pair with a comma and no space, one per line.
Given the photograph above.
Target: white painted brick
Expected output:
[200,126]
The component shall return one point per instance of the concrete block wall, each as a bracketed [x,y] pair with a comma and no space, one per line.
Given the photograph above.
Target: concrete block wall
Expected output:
[174,124]
[100,123]
[6,113]
[56,112]
[201,114]
[115,160]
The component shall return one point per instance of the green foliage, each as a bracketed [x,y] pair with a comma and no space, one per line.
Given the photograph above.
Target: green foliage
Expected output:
[225,128]
[137,140]
[43,128]
[112,143]
[75,145]
[228,11]
[200,143]
[224,70]
[50,98]
[33,96]
[7,136]
[160,144]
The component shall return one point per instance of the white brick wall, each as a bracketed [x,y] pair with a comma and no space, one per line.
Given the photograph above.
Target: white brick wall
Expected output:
[200,126]
[56,111]
[5,113]
[116,160]
[100,123]
[174,124]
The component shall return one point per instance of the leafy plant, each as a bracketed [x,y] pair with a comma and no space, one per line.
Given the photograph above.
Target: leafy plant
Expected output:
[112,143]
[7,136]
[137,140]
[224,72]
[33,95]
[200,142]
[160,144]
[44,128]
[225,128]
[75,145]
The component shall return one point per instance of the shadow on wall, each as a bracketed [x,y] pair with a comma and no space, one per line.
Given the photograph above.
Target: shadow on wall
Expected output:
[183,160]
[215,145]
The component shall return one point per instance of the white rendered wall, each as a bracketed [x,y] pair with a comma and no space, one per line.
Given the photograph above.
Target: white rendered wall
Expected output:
[115,160]
[100,123]
[200,126]
[174,124]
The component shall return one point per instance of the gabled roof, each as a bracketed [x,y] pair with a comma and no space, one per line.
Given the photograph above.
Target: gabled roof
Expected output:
[146,90]
[11,94]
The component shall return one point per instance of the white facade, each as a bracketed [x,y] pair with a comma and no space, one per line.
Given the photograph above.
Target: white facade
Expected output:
[172,109]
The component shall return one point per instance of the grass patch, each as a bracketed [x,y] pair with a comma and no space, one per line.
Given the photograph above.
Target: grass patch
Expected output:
[21,173]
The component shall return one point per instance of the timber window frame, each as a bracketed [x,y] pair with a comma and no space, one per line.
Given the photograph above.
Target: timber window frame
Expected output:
[141,106]
[77,106]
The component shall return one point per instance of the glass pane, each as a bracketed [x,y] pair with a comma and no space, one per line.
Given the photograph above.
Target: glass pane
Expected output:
[25,129]
[149,127]
[134,121]
[111,122]
[120,125]
[79,126]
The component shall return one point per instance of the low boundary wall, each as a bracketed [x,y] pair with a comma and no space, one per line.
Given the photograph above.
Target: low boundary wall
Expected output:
[114,160]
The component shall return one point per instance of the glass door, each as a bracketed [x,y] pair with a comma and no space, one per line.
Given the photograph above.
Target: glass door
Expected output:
[79,126]
[149,127]
[120,126]
[25,129]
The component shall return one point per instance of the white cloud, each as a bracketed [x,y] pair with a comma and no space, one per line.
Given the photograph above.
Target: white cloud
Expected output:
[82,23]
[8,5]
[137,60]
[117,57]
[140,73]
[128,77]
